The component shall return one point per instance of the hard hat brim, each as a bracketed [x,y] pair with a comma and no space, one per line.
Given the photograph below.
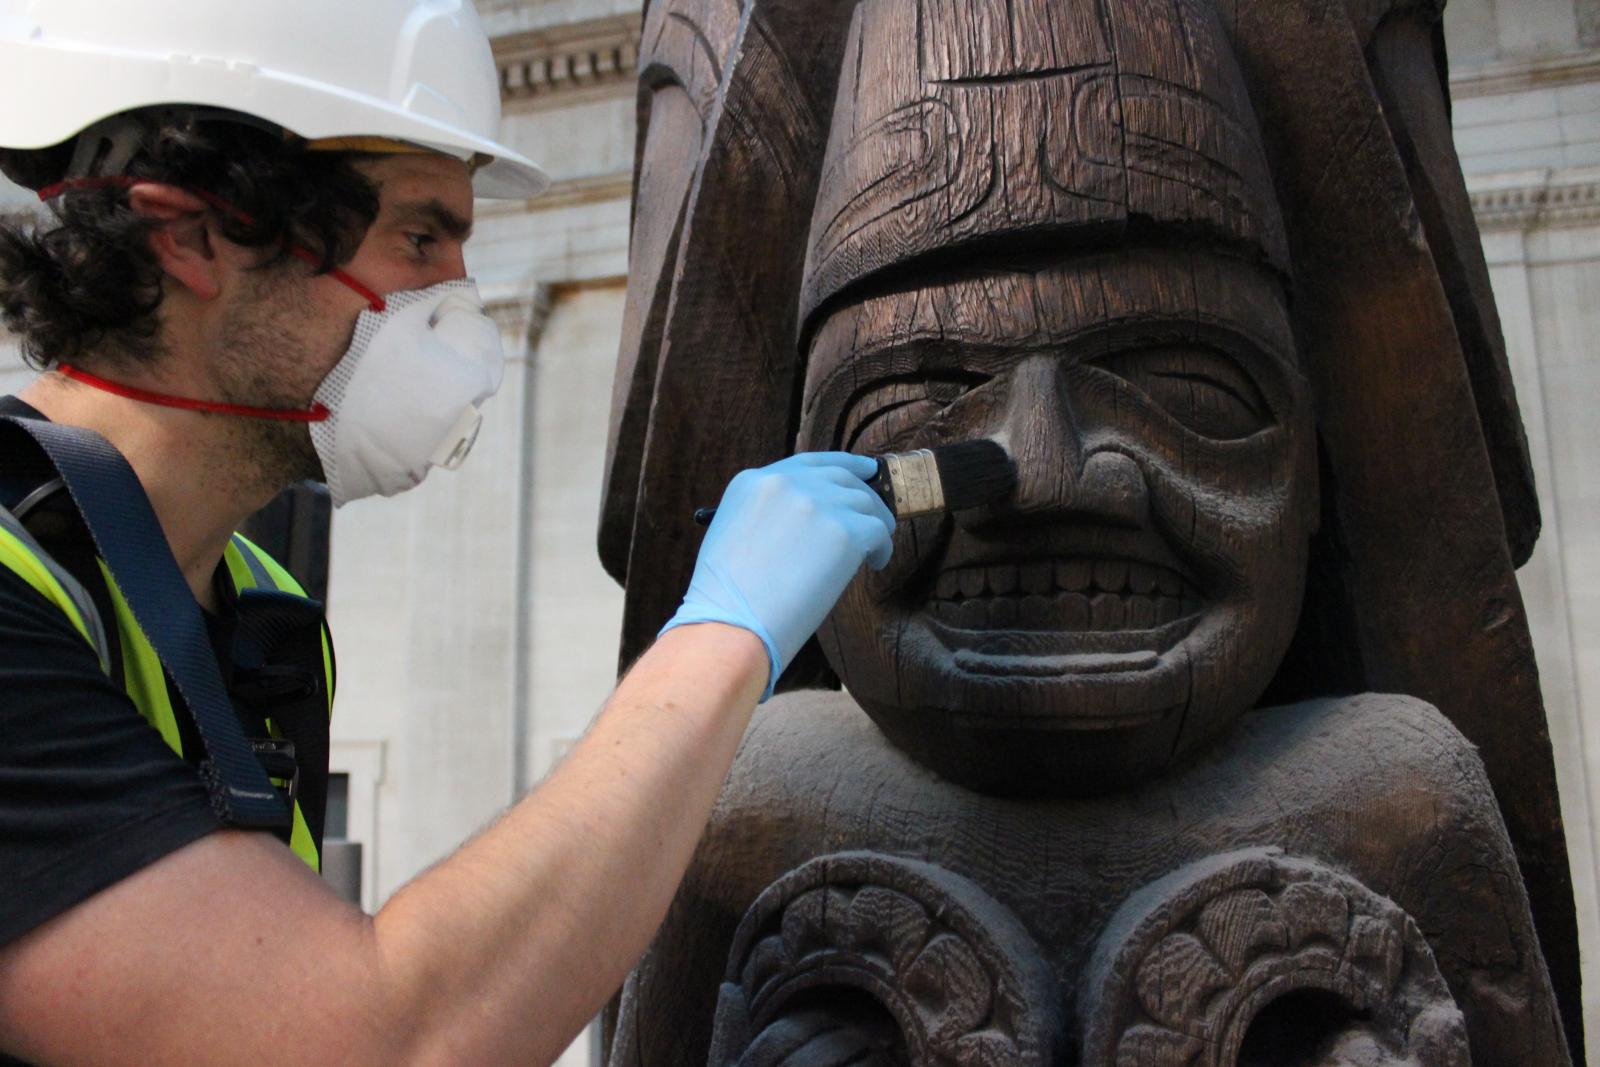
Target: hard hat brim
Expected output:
[114,82]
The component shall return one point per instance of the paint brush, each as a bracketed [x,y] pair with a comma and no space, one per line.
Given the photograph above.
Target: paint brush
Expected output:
[933,480]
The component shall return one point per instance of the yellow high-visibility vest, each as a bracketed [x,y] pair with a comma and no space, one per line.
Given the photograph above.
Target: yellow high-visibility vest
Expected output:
[142,677]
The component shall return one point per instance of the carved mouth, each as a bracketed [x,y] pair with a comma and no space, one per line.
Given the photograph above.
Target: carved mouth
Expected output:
[1078,594]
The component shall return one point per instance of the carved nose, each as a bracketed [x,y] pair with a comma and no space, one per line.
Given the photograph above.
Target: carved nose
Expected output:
[1111,487]
[1054,476]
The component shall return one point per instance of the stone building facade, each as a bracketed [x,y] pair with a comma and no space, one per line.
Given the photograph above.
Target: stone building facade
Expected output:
[476,629]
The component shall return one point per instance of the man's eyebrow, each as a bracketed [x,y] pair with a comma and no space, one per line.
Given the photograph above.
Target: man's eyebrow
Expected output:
[435,213]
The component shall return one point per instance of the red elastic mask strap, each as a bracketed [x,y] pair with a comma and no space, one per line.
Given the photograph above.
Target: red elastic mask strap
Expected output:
[123,181]
[315,413]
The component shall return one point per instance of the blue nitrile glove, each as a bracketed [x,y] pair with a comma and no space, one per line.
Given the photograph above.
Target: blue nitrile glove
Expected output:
[787,538]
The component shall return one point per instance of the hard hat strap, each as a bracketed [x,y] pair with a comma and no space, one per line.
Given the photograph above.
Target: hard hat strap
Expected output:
[317,412]
[123,181]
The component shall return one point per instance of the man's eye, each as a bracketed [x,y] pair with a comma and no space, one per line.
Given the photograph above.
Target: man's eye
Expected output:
[1201,388]
[421,241]
[890,413]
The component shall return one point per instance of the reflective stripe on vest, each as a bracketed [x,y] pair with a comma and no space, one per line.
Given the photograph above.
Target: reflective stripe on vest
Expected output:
[142,677]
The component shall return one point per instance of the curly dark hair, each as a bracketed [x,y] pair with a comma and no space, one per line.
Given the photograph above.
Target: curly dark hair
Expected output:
[89,279]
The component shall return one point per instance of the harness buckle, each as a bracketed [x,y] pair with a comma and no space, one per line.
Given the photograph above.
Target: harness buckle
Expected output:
[277,759]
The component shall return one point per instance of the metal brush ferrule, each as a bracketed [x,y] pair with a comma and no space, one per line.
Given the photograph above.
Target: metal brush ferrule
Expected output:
[914,481]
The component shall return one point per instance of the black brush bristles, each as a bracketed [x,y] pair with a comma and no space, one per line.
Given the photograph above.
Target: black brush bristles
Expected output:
[973,473]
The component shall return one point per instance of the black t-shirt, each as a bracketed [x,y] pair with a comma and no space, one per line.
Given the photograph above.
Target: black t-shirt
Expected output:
[89,791]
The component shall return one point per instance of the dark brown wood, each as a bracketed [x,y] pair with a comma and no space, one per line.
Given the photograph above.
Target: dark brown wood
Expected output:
[1176,975]
[1379,788]
[1427,576]
[958,977]
[1208,271]
[683,51]
[718,386]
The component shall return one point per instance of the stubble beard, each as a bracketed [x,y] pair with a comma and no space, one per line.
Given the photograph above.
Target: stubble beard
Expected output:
[265,360]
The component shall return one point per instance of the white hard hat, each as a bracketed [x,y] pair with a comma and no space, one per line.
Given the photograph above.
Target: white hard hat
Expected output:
[414,71]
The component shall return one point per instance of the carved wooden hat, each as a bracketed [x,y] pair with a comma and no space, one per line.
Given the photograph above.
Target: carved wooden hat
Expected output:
[1428,494]
[1053,123]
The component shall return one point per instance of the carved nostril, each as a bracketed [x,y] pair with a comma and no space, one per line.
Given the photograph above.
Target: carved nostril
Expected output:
[1112,485]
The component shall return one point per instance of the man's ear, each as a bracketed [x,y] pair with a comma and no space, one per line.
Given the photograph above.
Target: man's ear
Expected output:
[180,236]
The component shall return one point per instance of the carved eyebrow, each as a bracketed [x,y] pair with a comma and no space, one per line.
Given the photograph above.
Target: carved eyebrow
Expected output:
[894,357]
[897,358]
[434,213]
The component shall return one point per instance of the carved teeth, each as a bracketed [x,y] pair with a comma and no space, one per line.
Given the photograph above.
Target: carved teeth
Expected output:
[1037,578]
[1035,613]
[1063,612]
[1074,575]
[1069,595]
[1111,575]
[972,581]
[1142,578]
[1043,578]
[1107,612]
[1003,578]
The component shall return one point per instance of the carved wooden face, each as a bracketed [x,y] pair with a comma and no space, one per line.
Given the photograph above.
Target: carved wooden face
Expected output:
[1140,589]
[1073,250]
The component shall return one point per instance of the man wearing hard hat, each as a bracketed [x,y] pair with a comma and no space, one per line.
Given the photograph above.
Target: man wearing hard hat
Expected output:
[253,275]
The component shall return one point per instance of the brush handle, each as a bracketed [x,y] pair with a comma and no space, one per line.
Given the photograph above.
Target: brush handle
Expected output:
[879,483]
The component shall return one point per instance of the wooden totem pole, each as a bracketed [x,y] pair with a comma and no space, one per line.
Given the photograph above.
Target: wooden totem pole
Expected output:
[1221,743]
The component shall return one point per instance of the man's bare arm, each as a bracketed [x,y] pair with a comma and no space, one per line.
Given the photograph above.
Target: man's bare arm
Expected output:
[231,951]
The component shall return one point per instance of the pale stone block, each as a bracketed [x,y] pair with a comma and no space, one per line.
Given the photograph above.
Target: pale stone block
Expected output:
[14,373]
[1502,247]
[1470,30]
[1534,26]
[593,137]
[1579,99]
[1580,121]
[1576,245]
[1584,154]
[423,605]
[584,242]
[1543,583]
[1490,158]
[503,17]
[576,607]
[1510,137]
[1478,112]
[1565,320]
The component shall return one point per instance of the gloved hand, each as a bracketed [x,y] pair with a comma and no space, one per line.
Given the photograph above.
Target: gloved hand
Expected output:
[786,540]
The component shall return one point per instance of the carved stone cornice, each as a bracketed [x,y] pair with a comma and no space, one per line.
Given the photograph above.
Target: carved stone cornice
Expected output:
[1510,76]
[1529,200]
[565,64]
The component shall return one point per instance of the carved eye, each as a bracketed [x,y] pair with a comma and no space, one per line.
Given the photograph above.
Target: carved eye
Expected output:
[890,412]
[1203,389]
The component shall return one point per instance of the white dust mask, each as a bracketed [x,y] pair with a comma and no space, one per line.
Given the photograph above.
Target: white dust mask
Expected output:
[405,397]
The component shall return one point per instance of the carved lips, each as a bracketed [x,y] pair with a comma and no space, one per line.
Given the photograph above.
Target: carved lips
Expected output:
[1079,601]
